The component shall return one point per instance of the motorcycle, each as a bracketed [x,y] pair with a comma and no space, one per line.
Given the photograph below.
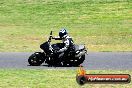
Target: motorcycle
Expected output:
[74,57]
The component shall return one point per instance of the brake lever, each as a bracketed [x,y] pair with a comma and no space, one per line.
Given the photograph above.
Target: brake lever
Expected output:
[86,51]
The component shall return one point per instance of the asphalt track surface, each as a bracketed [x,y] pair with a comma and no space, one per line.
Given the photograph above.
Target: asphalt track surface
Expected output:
[94,61]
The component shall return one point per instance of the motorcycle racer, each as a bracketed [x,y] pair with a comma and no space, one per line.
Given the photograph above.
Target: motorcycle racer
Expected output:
[66,40]
[59,54]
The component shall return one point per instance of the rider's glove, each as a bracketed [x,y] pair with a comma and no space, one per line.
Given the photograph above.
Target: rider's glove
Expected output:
[53,37]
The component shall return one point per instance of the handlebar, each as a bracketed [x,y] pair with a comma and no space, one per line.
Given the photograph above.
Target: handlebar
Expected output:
[50,37]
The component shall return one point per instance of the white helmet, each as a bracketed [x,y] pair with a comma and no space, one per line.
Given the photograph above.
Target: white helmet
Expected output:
[63,33]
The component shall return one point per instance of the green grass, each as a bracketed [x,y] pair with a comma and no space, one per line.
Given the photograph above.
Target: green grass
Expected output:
[30,78]
[103,25]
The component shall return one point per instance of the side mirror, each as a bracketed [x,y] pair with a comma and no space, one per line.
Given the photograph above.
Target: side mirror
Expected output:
[50,37]
[51,33]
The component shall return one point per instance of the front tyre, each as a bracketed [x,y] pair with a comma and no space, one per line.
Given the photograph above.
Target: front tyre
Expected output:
[79,61]
[35,60]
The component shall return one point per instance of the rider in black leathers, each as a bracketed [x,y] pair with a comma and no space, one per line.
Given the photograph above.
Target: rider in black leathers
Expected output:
[67,42]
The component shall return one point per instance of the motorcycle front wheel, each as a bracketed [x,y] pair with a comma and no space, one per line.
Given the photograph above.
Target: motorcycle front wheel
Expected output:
[35,60]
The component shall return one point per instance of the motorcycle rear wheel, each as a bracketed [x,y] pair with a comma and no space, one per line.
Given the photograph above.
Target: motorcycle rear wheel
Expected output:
[78,61]
[81,60]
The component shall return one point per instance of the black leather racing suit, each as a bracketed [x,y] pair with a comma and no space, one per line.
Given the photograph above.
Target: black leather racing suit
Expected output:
[68,44]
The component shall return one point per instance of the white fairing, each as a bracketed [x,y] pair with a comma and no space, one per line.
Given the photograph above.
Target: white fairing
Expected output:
[81,53]
[80,50]
[81,47]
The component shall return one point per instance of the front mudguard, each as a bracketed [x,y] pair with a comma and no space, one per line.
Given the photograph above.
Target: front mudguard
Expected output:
[40,55]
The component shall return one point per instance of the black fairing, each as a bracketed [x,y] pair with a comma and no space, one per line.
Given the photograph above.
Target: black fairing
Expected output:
[45,47]
[57,46]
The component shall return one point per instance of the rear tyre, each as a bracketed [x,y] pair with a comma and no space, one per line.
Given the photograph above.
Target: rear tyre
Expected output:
[65,64]
[74,62]
[78,61]
[81,60]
